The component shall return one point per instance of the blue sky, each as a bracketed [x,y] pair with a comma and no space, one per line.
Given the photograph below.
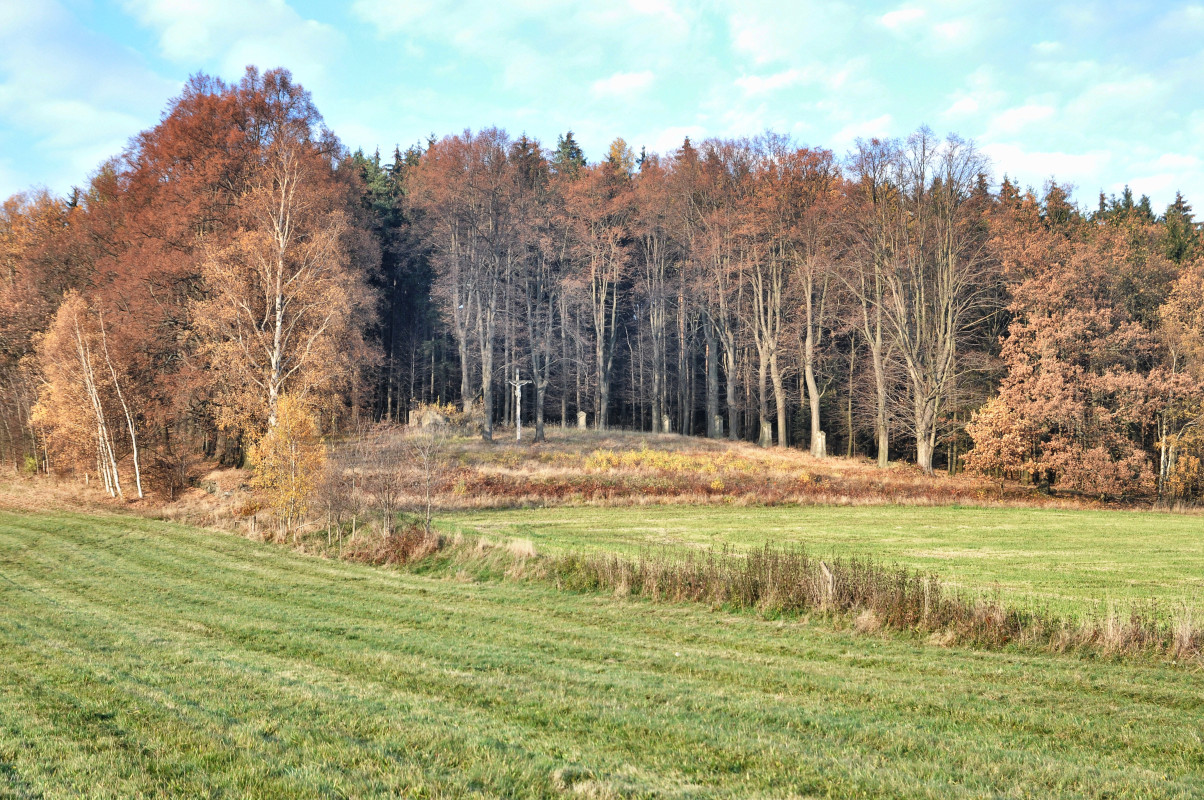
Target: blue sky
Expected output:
[1098,94]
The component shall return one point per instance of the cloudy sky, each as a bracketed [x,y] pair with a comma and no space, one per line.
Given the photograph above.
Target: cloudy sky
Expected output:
[1098,94]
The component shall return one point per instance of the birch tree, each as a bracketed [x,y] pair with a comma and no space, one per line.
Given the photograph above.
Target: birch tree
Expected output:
[280,313]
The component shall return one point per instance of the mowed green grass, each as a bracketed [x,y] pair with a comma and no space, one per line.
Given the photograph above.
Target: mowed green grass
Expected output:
[1069,561]
[144,659]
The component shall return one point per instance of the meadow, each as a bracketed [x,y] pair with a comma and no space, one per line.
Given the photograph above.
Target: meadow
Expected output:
[145,658]
[1072,561]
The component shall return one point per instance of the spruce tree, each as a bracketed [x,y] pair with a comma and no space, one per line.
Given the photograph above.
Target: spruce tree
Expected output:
[568,157]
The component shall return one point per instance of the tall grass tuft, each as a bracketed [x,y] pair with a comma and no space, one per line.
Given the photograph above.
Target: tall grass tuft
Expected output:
[401,546]
[776,581]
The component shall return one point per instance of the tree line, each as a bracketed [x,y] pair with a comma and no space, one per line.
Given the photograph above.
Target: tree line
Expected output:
[887,302]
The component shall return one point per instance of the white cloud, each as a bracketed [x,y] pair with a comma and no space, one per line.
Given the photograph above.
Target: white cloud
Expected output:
[1019,119]
[546,52]
[68,98]
[816,74]
[902,17]
[762,31]
[621,84]
[667,16]
[979,95]
[1185,18]
[669,139]
[760,84]
[1119,99]
[1163,176]
[235,33]
[965,106]
[390,17]
[1179,161]
[955,31]
[1031,167]
[862,129]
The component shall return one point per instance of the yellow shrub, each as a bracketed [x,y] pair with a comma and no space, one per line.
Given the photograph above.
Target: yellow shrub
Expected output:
[288,461]
[669,462]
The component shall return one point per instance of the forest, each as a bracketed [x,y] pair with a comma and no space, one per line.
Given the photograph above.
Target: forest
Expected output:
[893,302]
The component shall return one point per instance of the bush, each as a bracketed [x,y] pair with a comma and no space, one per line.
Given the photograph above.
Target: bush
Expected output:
[401,546]
[288,461]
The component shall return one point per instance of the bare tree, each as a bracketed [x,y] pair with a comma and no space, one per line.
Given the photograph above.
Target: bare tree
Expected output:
[875,195]
[426,453]
[386,464]
[939,281]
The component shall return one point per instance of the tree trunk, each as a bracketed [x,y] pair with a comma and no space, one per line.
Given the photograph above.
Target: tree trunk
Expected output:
[129,419]
[779,397]
[714,422]
[818,437]
[925,424]
[485,332]
[766,436]
[851,443]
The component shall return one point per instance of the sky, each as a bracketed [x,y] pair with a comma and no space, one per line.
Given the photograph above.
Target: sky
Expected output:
[1095,94]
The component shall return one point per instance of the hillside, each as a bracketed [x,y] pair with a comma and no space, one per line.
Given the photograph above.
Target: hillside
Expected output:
[592,468]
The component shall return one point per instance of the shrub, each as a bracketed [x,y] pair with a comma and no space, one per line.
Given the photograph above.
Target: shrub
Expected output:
[402,546]
[288,461]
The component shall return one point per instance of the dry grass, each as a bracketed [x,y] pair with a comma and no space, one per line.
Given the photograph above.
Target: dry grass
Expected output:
[578,468]
[869,596]
[52,494]
[622,468]
[402,546]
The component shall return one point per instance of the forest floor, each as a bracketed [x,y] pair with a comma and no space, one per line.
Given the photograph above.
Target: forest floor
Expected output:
[146,658]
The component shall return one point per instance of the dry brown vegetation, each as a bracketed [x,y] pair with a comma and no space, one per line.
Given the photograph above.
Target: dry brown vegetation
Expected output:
[572,467]
[580,467]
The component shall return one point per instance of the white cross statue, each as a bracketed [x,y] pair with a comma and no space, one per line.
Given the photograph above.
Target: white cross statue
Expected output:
[518,405]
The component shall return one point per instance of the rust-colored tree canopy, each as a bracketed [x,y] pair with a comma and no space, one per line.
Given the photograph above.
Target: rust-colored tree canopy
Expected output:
[891,303]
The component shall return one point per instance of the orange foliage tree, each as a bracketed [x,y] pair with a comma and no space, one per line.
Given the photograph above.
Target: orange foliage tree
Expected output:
[1077,406]
[81,403]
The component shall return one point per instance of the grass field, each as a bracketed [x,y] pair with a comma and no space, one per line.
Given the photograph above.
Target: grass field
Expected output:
[1070,561]
[140,658]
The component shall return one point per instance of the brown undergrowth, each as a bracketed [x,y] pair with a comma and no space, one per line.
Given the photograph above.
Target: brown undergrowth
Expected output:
[402,546]
[575,467]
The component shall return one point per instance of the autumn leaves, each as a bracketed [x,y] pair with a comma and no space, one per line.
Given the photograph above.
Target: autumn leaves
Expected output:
[211,273]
